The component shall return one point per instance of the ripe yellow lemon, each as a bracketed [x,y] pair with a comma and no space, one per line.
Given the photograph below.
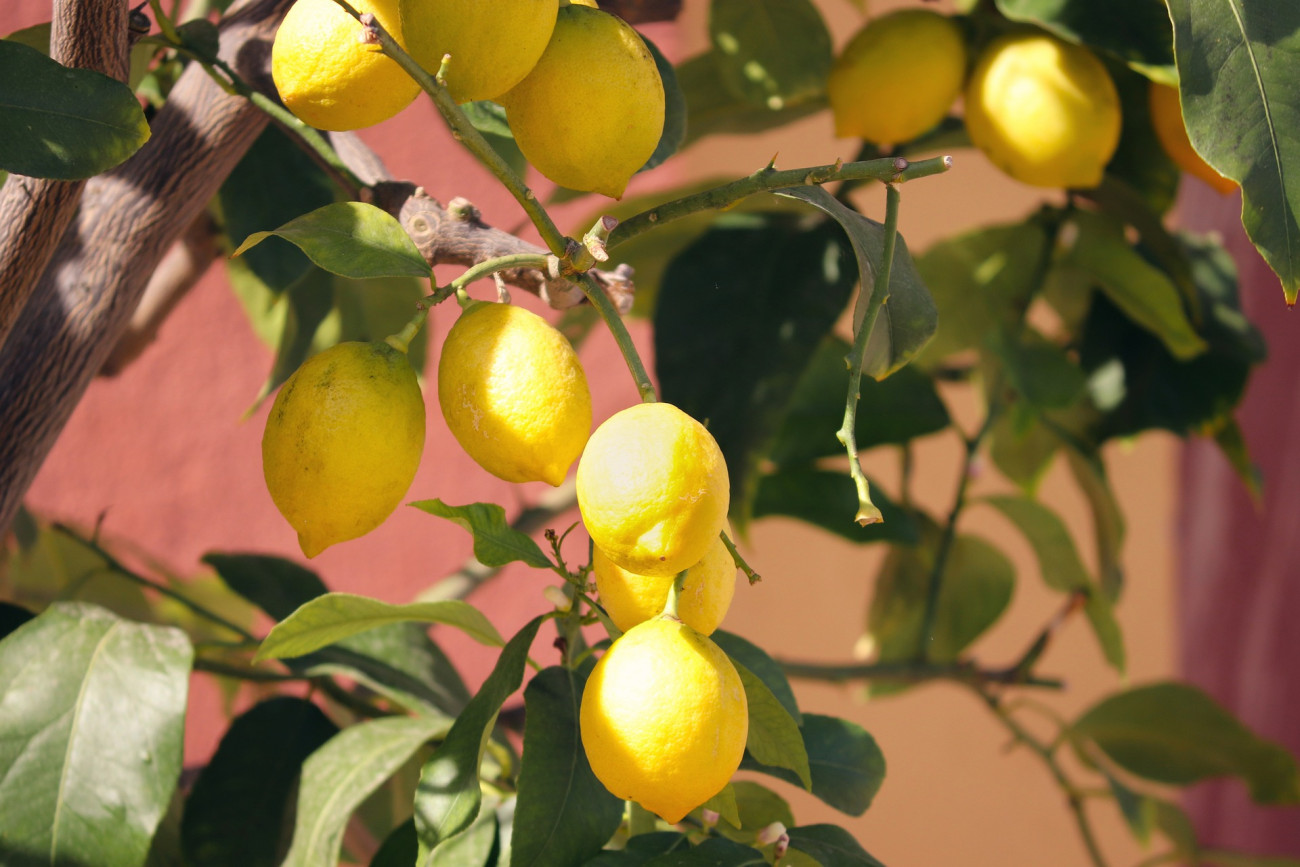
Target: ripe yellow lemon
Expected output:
[514,393]
[590,113]
[664,718]
[653,489]
[897,77]
[1044,111]
[1167,118]
[327,77]
[343,442]
[493,43]
[629,598]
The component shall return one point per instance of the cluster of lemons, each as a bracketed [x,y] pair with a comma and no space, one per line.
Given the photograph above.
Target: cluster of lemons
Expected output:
[581,91]
[1044,110]
[664,716]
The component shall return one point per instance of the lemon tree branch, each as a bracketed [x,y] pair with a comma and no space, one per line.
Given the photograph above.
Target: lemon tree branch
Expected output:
[621,337]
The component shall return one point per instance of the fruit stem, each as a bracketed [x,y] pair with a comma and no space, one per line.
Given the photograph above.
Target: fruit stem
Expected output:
[464,132]
[487,268]
[605,307]
[847,434]
[401,341]
[736,558]
[890,171]
[674,593]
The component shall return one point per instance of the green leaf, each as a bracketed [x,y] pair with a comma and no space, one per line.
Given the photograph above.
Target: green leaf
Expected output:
[1038,369]
[342,774]
[1139,811]
[762,666]
[770,52]
[1135,31]
[399,849]
[712,108]
[93,719]
[1175,824]
[774,738]
[831,845]
[1101,617]
[712,852]
[1241,104]
[57,122]
[11,617]
[1174,733]
[300,310]
[829,499]
[495,542]
[448,796]
[277,586]
[375,308]
[1140,161]
[240,804]
[1058,560]
[489,118]
[1022,447]
[335,616]
[674,132]
[757,806]
[739,315]
[473,847]
[724,804]
[352,239]
[846,764]
[1107,520]
[564,814]
[908,319]
[1146,294]
[898,409]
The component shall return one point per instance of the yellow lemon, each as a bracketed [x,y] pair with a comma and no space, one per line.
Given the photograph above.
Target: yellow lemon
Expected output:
[653,489]
[897,77]
[1044,111]
[629,598]
[590,113]
[664,718]
[514,394]
[493,43]
[343,442]
[327,77]
[1167,118]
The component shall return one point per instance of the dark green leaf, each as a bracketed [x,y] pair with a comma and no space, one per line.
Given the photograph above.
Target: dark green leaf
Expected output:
[847,766]
[902,407]
[495,542]
[448,797]
[712,108]
[764,667]
[342,774]
[489,118]
[774,738]
[724,803]
[1038,369]
[1022,447]
[1136,31]
[399,849]
[240,804]
[57,122]
[739,314]
[11,617]
[674,132]
[352,239]
[1174,823]
[335,616]
[713,852]
[1175,733]
[1107,520]
[1101,617]
[1140,161]
[564,814]
[1139,811]
[274,182]
[770,52]
[1232,443]
[1058,559]
[277,586]
[831,845]
[829,499]
[908,319]
[1241,99]
[473,847]
[93,722]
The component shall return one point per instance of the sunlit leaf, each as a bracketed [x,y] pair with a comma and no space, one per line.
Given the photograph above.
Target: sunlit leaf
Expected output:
[762,666]
[495,542]
[774,738]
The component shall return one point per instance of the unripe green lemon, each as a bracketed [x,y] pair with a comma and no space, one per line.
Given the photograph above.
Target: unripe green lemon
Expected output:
[897,77]
[653,489]
[1167,118]
[1044,111]
[664,718]
[343,441]
[514,393]
[493,43]
[327,77]
[590,113]
[629,598]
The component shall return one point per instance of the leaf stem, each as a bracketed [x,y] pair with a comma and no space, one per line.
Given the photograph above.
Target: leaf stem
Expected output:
[487,268]
[605,307]
[768,179]
[868,513]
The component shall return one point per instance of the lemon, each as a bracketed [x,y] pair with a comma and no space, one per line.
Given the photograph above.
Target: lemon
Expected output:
[343,441]
[514,394]
[327,77]
[1167,118]
[590,113]
[493,43]
[664,718]
[897,77]
[629,598]
[653,489]
[1044,111]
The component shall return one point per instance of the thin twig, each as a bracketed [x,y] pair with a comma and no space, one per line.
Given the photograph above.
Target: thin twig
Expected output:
[624,340]
[911,671]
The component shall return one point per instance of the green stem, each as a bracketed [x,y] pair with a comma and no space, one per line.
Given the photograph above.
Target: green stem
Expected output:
[767,179]
[401,341]
[605,307]
[916,672]
[674,595]
[486,268]
[736,558]
[465,133]
[847,434]
[240,672]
